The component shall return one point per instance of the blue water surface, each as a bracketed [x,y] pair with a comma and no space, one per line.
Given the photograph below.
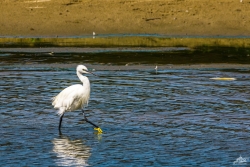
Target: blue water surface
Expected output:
[172,117]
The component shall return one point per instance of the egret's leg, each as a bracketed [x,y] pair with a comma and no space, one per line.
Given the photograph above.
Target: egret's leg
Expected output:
[86,119]
[61,117]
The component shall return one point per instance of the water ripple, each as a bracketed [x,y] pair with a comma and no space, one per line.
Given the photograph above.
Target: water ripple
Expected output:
[178,117]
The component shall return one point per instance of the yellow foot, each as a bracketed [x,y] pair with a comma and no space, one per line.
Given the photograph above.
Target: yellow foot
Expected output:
[98,130]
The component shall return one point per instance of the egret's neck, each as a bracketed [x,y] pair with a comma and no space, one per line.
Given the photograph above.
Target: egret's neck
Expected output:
[83,79]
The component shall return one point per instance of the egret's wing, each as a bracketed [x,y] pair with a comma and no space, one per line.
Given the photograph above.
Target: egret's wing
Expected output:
[66,96]
[71,98]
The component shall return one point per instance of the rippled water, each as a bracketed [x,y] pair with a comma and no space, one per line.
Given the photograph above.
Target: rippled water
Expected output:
[175,117]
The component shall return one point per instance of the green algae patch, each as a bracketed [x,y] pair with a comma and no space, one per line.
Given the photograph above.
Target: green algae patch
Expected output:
[126,41]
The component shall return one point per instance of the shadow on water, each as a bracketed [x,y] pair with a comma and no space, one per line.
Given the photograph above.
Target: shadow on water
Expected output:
[205,55]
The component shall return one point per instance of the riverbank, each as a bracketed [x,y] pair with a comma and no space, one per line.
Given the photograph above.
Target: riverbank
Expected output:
[125,41]
[77,17]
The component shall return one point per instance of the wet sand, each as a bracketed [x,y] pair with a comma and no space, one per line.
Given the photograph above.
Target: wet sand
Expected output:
[83,17]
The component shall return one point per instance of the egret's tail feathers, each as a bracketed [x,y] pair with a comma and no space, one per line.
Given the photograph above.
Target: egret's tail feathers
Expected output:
[53,101]
[61,111]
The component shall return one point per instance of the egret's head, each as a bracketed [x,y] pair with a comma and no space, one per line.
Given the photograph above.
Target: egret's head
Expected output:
[82,69]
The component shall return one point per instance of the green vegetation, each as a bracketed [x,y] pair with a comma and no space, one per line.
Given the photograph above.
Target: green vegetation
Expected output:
[127,41]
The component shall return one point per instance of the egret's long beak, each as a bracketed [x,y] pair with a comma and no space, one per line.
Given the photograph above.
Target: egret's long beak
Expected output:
[93,73]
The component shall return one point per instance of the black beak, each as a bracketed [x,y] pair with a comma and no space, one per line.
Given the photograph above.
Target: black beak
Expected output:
[93,73]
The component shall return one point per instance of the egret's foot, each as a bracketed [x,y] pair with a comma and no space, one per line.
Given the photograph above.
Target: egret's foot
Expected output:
[98,130]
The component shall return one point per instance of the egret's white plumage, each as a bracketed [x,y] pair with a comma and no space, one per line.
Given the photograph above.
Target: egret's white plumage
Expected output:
[74,97]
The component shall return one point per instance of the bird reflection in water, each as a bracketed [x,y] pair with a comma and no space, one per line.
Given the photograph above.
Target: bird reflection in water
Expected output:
[71,152]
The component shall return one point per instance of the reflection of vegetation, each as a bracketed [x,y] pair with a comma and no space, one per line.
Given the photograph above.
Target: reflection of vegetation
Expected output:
[197,56]
[129,41]
[203,50]
[71,152]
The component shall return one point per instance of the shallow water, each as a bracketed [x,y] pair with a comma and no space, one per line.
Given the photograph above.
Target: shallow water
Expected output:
[172,117]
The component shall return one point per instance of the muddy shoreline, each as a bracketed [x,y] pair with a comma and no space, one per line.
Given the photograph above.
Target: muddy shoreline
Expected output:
[128,57]
[127,67]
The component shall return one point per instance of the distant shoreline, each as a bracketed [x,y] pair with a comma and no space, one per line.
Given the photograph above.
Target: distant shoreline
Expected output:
[129,35]
[145,40]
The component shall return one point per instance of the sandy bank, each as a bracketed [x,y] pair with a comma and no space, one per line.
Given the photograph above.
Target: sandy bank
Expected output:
[169,17]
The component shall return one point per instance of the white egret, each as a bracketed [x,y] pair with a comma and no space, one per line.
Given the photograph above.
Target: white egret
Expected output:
[75,97]
[156,69]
